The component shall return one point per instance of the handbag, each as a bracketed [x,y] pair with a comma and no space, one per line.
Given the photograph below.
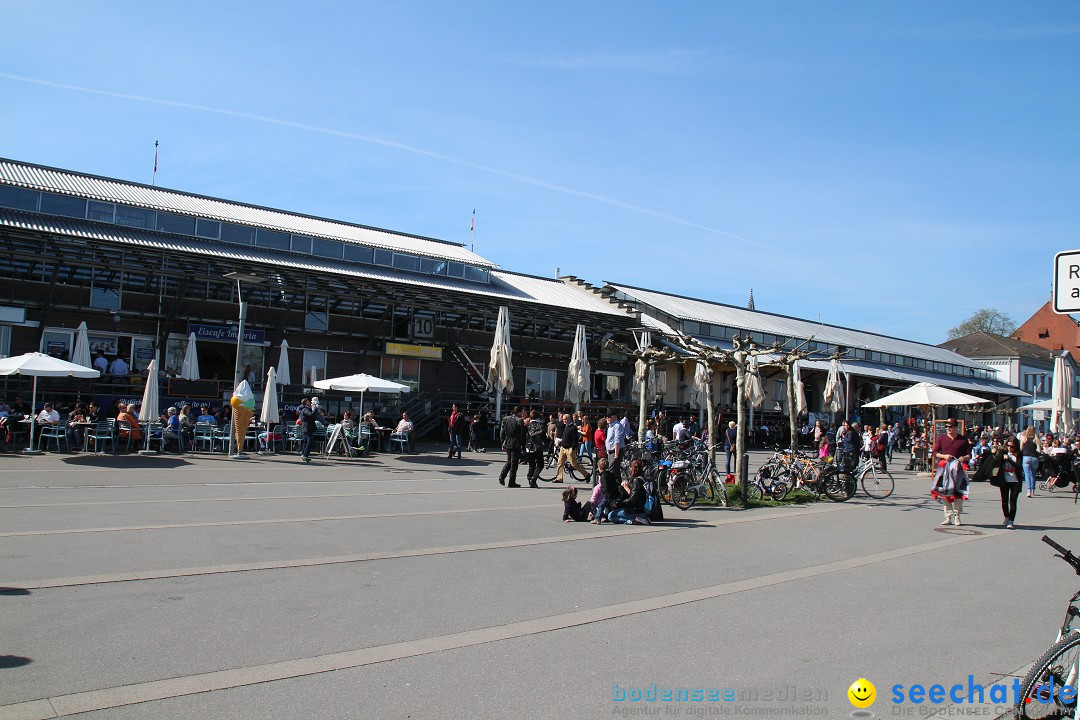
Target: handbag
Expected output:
[996,480]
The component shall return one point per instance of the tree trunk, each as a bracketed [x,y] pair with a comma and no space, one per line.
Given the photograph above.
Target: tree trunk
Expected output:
[740,393]
[793,414]
[711,414]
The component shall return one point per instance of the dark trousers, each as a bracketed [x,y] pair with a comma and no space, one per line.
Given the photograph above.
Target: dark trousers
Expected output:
[513,457]
[536,464]
[305,443]
[1009,493]
[730,453]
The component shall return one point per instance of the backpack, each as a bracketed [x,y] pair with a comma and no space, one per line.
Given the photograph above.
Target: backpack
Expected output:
[876,446]
[654,509]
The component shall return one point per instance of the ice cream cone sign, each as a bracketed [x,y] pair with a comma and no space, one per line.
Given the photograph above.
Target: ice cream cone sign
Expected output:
[243,407]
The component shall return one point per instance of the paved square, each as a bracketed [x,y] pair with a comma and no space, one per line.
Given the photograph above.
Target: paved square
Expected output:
[417,587]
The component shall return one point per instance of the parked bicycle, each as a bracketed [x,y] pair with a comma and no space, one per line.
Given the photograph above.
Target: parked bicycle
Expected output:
[1059,667]
[876,483]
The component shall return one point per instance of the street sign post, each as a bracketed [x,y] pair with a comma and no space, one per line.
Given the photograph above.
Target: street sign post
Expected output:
[1067,282]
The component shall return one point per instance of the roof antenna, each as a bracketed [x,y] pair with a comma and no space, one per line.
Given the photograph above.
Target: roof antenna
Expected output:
[472,232]
[556,273]
[153,180]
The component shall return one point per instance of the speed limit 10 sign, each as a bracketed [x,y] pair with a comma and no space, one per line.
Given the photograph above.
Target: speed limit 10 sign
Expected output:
[1067,282]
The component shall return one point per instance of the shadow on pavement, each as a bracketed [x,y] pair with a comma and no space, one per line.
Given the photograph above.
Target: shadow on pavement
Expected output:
[13,591]
[127,461]
[439,461]
[13,661]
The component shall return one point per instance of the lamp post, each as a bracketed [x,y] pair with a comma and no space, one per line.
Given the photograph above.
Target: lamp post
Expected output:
[240,278]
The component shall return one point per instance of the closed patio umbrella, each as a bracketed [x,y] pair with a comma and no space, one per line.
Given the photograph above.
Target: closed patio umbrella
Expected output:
[834,389]
[800,389]
[1061,421]
[500,368]
[81,354]
[755,395]
[283,376]
[269,413]
[148,410]
[190,369]
[579,373]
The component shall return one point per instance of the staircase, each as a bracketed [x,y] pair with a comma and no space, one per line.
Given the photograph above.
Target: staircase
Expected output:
[474,373]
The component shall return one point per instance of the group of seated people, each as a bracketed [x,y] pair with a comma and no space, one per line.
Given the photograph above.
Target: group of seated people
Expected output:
[613,499]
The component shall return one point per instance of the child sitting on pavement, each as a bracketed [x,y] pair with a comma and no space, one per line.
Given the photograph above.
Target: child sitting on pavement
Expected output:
[573,511]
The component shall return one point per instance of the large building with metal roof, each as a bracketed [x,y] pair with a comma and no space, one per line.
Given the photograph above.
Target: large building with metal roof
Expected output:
[145,267]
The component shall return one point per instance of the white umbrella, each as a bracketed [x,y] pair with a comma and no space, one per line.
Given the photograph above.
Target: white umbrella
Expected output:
[1049,405]
[697,386]
[500,369]
[1061,421]
[834,389]
[754,394]
[362,383]
[924,394]
[270,404]
[81,354]
[38,365]
[190,369]
[148,410]
[800,389]
[283,376]
[579,374]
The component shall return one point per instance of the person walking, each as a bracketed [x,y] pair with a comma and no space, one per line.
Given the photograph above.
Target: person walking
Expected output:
[512,437]
[1003,468]
[951,480]
[535,446]
[308,417]
[568,450]
[1030,451]
[457,425]
[731,437]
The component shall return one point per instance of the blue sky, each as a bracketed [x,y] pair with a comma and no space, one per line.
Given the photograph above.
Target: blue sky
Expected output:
[889,166]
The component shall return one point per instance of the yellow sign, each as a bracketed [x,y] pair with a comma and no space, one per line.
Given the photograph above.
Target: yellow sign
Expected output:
[420,351]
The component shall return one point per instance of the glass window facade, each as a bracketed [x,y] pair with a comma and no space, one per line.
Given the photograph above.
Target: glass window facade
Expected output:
[238,234]
[322,247]
[272,239]
[18,198]
[63,205]
[135,217]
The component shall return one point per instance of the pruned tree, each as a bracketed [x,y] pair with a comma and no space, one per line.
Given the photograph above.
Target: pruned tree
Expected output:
[987,320]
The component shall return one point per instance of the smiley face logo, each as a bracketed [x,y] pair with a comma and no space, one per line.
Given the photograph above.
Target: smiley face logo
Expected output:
[862,693]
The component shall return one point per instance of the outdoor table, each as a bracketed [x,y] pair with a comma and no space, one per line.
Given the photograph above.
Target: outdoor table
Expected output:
[86,435]
[384,434]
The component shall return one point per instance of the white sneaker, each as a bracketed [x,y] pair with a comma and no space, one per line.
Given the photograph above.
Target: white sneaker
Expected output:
[947,520]
[956,519]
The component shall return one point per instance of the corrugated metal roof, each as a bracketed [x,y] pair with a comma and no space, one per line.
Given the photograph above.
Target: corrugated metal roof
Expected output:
[865,368]
[67,182]
[505,286]
[756,320]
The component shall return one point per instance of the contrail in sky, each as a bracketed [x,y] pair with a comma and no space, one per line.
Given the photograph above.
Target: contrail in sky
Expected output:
[385,143]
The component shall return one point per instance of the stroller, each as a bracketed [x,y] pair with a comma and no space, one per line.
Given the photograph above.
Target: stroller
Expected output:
[1059,471]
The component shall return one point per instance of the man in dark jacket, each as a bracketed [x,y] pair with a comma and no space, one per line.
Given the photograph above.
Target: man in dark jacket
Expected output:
[535,445]
[512,436]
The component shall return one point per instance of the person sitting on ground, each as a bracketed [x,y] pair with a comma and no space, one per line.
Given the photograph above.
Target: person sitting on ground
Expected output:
[573,511]
[629,508]
[126,415]
[598,500]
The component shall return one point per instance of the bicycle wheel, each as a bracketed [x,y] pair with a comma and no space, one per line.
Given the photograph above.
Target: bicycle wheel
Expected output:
[837,485]
[753,492]
[878,484]
[586,462]
[1039,692]
[683,494]
[547,468]
[717,485]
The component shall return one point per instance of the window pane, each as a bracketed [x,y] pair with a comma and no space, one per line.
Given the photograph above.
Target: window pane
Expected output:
[301,244]
[272,239]
[134,217]
[180,224]
[207,228]
[691,328]
[384,257]
[431,266]
[63,205]
[359,253]
[475,274]
[314,360]
[102,212]
[315,320]
[57,343]
[18,198]
[455,270]
[326,248]
[406,262]
[237,234]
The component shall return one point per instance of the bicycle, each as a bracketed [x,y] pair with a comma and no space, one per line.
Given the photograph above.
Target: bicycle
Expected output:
[551,463]
[1059,666]
[693,477]
[876,483]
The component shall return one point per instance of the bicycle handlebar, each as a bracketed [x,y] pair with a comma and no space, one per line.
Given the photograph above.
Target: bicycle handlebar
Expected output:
[1066,555]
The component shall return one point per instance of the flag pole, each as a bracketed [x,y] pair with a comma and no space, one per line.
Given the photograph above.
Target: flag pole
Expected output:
[154,180]
[472,231]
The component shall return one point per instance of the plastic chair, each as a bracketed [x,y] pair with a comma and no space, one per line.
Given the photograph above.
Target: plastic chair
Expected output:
[401,440]
[101,434]
[155,433]
[124,432]
[204,436]
[56,433]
